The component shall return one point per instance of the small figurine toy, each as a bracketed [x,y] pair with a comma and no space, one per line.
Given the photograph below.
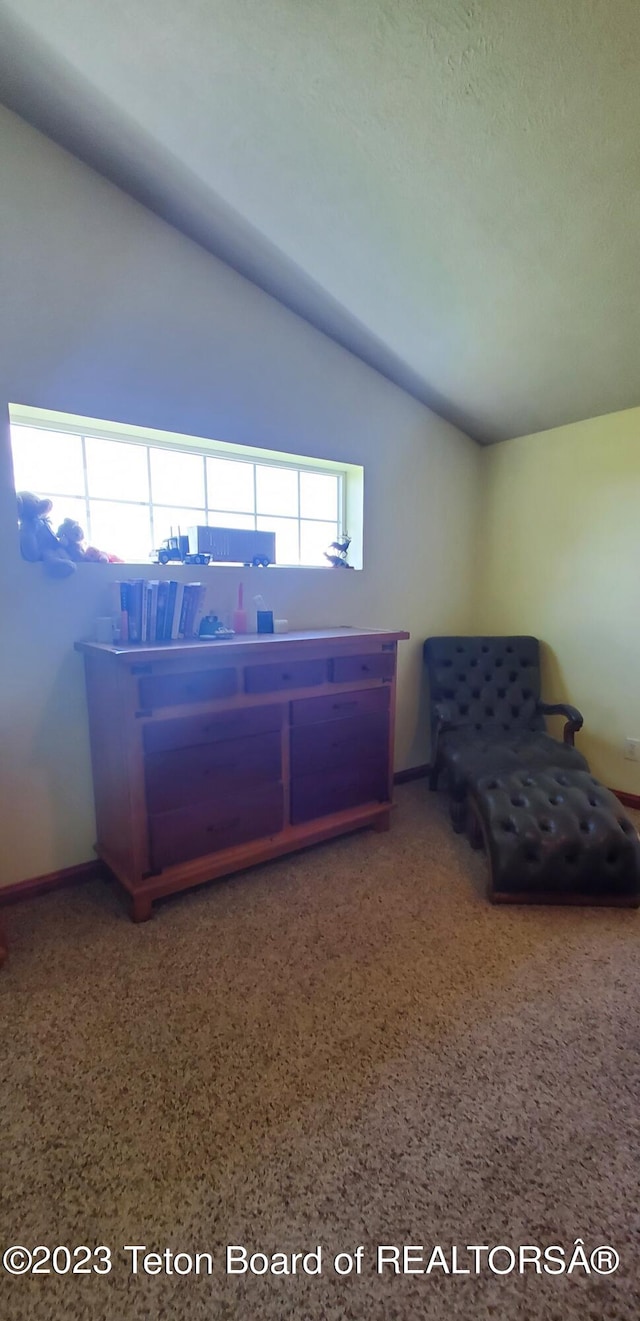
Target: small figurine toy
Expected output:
[337,552]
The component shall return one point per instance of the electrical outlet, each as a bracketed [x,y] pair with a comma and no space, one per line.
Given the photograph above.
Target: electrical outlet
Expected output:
[632,749]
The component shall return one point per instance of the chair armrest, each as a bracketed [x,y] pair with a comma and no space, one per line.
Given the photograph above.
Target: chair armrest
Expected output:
[442,720]
[440,724]
[574,717]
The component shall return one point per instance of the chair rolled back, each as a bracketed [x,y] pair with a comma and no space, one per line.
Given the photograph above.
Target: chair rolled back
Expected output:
[485,682]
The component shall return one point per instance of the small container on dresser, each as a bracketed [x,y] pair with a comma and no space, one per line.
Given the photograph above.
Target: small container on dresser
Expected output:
[213,756]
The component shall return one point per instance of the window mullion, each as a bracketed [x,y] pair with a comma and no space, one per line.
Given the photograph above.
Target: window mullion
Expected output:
[85,476]
[152,530]
[299,523]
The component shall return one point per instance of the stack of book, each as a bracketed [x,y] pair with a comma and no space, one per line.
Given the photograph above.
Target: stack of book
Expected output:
[160,611]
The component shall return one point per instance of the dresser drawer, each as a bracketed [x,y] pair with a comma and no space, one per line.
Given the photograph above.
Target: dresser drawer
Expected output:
[319,795]
[185,732]
[298,674]
[340,744]
[188,775]
[377,665]
[187,686]
[202,828]
[308,710]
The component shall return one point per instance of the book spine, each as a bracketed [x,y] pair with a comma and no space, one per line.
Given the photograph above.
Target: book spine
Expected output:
[183,612]
[198,615]
[135,610]
[124,611]
[192,589]
[171,605]
[147,604]
[161,610]
[177,611]
[151,608]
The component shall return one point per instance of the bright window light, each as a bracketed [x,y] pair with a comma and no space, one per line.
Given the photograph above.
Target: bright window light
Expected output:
[129,489]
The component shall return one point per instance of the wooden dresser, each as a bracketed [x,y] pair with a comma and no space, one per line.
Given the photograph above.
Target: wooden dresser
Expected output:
[213,756]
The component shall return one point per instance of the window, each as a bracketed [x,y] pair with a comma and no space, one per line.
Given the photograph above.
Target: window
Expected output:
[129,493]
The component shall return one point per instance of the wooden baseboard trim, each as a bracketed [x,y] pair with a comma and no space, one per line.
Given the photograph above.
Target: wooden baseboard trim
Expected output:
[55,880]
[629,800]
[413,773]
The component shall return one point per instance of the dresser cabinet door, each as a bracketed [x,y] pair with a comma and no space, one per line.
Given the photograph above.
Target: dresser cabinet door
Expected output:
[376,665]
[274,678]
[320,795]
[187,731]
[311,710]
[339,753]
[337,745]
[202,828]
[188,687]
[186,775]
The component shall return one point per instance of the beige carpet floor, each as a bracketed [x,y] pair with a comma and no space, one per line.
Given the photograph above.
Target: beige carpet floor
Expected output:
[349,1047]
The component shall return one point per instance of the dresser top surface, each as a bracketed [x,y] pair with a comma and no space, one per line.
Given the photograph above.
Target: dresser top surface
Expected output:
[241,641]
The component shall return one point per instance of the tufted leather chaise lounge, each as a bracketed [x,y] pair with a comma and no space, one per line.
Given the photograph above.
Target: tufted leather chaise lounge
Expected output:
[523,794]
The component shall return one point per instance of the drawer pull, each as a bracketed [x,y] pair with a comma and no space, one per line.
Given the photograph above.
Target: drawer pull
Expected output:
[286,678]
[343,706]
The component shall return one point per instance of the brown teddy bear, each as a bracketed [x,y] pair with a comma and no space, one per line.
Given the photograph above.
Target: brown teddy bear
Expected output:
[38,541]
[71,536]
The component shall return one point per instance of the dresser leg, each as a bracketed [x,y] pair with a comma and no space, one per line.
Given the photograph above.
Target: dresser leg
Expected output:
[141,908]
[382,823]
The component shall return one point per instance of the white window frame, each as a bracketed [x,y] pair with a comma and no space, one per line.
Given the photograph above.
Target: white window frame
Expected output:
[349,476]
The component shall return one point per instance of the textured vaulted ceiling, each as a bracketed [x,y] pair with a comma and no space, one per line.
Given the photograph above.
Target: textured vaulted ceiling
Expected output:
[449,187]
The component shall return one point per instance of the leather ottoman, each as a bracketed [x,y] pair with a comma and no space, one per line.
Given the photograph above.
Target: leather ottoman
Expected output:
[468,756]
[554,836]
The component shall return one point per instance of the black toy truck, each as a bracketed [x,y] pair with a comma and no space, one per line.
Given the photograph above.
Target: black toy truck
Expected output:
[177,548]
